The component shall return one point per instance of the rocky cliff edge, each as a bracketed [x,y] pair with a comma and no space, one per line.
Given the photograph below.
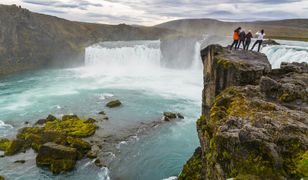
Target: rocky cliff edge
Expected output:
[254,123]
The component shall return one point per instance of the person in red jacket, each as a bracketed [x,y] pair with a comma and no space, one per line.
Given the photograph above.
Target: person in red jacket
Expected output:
[236,37]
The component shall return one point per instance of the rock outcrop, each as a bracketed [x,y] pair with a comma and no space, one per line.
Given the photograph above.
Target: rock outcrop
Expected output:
[58,142]
[254,123]
[57,158]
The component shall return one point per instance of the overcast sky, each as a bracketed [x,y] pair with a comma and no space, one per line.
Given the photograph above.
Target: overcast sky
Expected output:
[151,12]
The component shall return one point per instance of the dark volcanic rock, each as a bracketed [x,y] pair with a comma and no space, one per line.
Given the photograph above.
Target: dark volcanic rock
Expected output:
[253,129]
[57,158]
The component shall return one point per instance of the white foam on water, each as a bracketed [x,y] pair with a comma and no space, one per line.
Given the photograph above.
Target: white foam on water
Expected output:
[3,125]
[171,178]
[104,174]
[137,65]
[285,53]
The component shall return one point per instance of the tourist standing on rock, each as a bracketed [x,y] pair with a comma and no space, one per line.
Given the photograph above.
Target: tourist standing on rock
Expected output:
[236,36]
[259,40]
[248,40]
[242,39]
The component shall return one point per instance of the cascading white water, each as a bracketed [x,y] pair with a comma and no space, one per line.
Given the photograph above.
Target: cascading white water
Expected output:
[130,54]
[285,53]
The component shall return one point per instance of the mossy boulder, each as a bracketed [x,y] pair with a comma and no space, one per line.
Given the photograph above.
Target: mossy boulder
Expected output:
[114,103]
[48,119]
[11,147]
[168,116]
[59,136]
[2,178]
[57,158]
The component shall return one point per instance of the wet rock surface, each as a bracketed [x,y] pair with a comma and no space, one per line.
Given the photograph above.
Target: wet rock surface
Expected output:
[57,158]
[54,140]
[256,130]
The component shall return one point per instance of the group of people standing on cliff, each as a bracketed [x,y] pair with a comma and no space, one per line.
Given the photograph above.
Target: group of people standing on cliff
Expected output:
[240,37]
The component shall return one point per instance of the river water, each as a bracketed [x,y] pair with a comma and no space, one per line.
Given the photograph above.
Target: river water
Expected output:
[129,71]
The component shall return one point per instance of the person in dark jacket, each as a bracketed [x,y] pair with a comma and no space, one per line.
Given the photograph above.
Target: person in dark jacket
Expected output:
[248,40]
[236,37]
[242,39]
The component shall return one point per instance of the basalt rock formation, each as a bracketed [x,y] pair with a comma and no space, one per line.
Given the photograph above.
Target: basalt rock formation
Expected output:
[30,40]
[254,123]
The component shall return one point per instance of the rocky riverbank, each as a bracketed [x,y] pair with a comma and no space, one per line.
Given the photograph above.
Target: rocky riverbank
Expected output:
[254,120]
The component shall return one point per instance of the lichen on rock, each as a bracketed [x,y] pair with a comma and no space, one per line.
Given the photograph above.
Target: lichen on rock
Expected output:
[254,120]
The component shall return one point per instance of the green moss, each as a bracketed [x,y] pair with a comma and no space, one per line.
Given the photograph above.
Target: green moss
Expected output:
[193,168]
[58,166]
[114,103]
[72,127]
[4,144]
[82,146]
[302,165]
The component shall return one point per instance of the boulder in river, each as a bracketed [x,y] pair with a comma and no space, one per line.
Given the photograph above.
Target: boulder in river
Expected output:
[168,116]
[57,158]
[114,103]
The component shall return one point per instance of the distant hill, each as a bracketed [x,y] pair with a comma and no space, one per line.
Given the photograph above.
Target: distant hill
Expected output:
[30,40]
[293,29]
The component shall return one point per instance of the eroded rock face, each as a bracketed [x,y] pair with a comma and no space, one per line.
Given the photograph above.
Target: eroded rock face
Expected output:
[224,68]
[256,130]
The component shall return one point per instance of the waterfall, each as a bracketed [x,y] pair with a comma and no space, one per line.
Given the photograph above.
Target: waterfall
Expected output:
[129,54]
[285,53]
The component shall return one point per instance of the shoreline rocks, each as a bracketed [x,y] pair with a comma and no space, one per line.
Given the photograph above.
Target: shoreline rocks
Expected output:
[56,136]
[251,129]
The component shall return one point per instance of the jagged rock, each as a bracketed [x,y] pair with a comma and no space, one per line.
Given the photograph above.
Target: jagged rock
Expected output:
[98,163]
[90,120]
[57,158]
[102,113]
[114,103]
[168,116]
[180,116]
[50,118]
[251,129]
[82,146]
[20,161]
[92,154]
[270,42]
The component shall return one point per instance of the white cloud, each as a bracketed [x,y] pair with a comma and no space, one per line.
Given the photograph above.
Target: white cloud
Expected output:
[151,12]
